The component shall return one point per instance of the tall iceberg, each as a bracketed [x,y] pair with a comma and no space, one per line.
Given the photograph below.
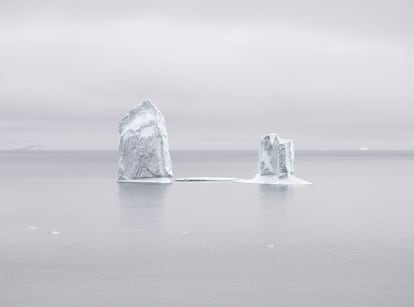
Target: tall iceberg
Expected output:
[143,149]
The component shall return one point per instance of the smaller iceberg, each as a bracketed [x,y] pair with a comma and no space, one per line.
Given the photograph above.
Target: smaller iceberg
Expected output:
[276,159]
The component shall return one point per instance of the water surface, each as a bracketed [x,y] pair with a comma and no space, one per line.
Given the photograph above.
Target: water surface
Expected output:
[70,235]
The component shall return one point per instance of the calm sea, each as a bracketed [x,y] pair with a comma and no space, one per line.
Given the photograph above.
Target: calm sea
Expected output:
[70,235]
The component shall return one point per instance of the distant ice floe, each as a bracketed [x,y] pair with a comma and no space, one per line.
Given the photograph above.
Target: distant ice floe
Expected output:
[30,147]
[54,232]
[182,233]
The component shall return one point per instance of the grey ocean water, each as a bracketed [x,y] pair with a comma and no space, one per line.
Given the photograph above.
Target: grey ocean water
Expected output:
[70,235]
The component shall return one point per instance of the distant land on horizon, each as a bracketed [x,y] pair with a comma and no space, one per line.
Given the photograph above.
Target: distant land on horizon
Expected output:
[229,152]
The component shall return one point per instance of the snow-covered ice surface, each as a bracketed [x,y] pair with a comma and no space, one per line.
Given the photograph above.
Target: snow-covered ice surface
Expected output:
[207,179]
[291,180]
[143,148]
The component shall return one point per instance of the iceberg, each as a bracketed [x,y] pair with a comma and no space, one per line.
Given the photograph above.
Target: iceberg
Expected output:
[144,154]
[276,159]
[276,156]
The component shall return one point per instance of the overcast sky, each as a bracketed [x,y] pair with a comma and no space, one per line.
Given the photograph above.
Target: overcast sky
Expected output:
[328,74]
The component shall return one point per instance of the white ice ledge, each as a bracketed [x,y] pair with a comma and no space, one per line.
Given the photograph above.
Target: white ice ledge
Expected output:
[207,179]
[288,180]
[274,180]
[148,180]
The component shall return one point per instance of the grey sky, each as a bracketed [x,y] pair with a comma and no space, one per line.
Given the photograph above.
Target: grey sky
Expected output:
[335,74]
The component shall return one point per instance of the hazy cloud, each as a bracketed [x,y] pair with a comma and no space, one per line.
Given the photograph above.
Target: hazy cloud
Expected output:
[326,73]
